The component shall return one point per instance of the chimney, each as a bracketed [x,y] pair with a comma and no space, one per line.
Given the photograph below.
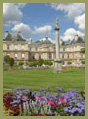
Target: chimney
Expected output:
[6,33]
[76,37]
[61,41]
[46,38]
[19,33]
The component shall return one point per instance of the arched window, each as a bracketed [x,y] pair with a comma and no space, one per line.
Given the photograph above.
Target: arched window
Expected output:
[33,57]
[7,47]
[39,56]
[68,56]
[15,56]
[50,56]
[62,55]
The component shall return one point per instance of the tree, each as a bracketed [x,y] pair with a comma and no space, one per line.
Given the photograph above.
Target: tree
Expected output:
[6,58]
[11,61]
[40,62]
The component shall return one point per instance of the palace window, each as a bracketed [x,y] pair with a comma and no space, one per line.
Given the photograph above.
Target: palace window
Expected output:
[68,56]
[7,47]
[15,56]
[63,62]
[62,55]
[22,47]
[50,56]
[33,57]
[39,56]
[22,56]
[15,47]
[63,49]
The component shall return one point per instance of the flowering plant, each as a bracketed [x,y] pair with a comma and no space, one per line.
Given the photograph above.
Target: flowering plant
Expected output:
[26,102]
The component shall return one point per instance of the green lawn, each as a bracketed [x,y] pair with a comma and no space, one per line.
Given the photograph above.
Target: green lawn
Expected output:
[37,79]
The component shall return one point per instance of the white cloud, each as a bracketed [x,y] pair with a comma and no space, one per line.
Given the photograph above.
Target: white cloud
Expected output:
[12,13]
[21,5]
[80,21]
[43,30]
[70,33]
[74,11]
[25,30]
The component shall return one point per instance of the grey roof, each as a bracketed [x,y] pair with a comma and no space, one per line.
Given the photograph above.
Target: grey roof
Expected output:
[46,41]
[11,37]
[79,40]
[66,42]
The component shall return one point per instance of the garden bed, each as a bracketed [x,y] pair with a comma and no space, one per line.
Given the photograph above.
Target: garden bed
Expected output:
[27,102]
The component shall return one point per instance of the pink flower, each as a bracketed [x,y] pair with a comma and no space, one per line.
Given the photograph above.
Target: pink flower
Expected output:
[65,100]
[39,97]
[25,97]
[52,103]
[60,101]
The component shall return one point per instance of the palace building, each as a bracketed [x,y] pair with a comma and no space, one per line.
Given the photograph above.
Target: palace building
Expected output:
[15,46]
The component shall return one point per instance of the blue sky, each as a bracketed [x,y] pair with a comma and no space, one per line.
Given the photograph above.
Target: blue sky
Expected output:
[38,20]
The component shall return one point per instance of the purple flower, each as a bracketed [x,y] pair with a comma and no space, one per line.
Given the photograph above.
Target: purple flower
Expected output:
[23,87]
[18,97]
[38,95]
[15,102]
[24,98]
[44,98]
[42,90]
[59,88]
[48,87]
[66,109]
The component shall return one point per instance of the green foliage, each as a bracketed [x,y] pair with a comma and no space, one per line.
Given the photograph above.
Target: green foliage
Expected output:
[33,63]
[40,62]
[11,61]
[27,63]
[21,63]
[6,58]
[69,62]
[83,62]
[82,50]
[46,62]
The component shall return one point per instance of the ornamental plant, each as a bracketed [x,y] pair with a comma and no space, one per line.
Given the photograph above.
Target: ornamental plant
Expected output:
[27,102]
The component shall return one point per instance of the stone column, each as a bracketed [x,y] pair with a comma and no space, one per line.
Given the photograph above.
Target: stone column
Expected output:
[57,61]
[57,40]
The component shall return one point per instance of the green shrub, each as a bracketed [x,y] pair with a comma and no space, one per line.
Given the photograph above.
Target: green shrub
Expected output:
[46,62]
[33,63]
[21,63]
[69,62]
[83,62]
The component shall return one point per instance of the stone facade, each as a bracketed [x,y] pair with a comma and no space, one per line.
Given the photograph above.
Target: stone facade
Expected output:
[18,48]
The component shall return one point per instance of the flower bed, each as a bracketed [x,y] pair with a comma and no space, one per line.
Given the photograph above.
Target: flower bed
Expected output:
[26,102]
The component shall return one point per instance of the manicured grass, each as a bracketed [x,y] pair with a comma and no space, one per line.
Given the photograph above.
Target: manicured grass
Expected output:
[37,79]
[7,66]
